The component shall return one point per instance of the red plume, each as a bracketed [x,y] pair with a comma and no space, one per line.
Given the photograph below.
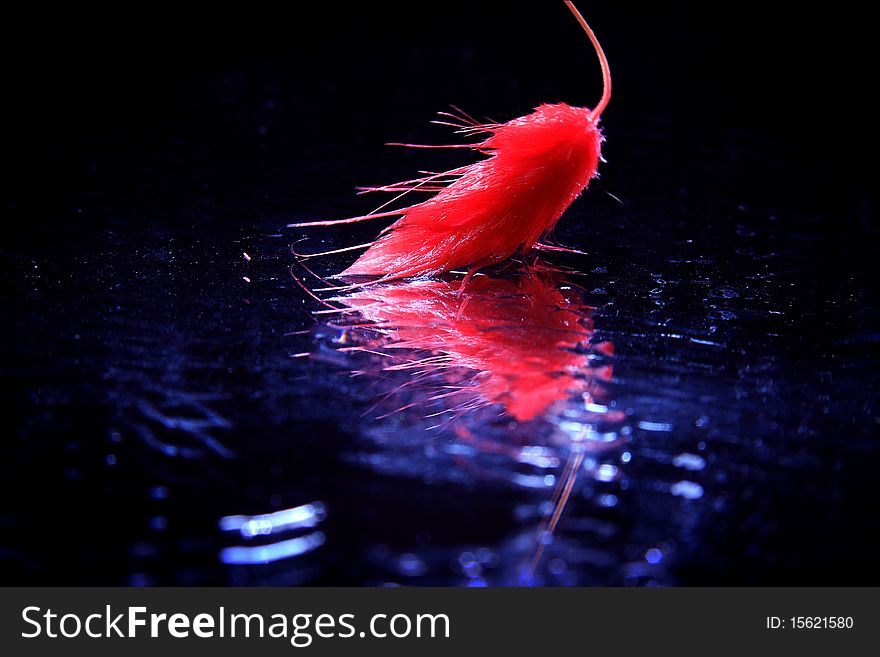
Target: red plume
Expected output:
[485,212]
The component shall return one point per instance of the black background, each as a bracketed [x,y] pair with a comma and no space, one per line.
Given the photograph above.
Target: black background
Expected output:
[146,145]
[766,71]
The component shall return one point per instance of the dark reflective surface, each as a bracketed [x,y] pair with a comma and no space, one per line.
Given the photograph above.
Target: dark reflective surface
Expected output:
[165,426]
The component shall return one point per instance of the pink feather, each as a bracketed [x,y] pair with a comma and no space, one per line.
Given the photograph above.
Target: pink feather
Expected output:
[484,212]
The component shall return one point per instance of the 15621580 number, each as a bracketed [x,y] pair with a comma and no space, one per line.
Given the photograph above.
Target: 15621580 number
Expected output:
[821,622]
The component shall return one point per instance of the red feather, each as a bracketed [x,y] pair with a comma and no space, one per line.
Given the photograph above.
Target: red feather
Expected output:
[538,165]
[485,212]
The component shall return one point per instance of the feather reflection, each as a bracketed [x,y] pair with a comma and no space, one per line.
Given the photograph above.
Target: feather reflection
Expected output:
[520,342]
[509,378]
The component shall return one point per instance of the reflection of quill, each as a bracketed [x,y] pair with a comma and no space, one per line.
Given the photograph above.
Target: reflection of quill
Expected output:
[484,212]
[522,339]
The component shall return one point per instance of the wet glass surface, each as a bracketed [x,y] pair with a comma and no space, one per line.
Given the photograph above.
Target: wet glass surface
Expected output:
[181,415]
